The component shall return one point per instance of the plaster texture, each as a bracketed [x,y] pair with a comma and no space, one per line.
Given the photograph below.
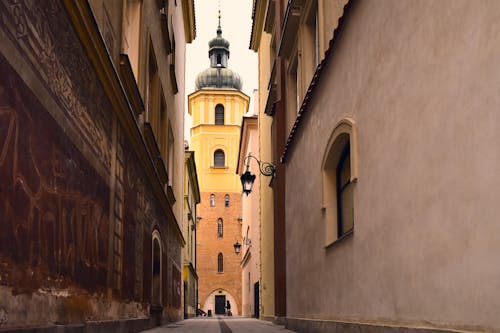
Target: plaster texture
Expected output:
[420,79]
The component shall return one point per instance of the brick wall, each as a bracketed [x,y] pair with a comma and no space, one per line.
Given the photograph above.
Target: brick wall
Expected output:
[209,245]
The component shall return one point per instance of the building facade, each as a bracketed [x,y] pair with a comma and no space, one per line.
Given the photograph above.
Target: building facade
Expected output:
[91,118]
[217,108]
[250,249]
[387,118]
[191,200]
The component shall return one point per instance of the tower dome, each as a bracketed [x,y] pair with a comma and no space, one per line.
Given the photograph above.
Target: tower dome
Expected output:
[218,76]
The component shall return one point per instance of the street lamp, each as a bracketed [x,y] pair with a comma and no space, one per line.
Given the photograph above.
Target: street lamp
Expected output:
[247,179]
[237,247]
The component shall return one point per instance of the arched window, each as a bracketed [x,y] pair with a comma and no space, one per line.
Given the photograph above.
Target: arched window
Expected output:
[220,228]
[212,200]
[219,59]
[226,200]
[220,263]
[219,158]
[219,114]
[156,268]
[339,177]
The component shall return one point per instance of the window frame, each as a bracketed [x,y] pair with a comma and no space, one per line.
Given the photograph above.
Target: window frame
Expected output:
[217,165]
[220,263]
[220,228]
[344,133]
[341,188]
[218,113]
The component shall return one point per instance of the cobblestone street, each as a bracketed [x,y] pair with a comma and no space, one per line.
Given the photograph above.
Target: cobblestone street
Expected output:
[222,325]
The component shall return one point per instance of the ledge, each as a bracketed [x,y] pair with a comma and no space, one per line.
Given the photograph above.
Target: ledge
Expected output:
[340,239]
[344,326]
[118,326]
[130,85]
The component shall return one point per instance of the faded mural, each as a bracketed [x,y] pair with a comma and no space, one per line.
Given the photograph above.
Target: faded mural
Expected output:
[76,207]
[51,216]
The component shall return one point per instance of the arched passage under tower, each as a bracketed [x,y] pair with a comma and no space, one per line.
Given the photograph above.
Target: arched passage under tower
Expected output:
[214,300]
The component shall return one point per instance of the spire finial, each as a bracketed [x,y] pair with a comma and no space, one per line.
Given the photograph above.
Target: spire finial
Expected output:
[219,29]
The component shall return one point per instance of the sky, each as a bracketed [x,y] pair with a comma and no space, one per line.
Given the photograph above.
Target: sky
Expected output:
[236,23]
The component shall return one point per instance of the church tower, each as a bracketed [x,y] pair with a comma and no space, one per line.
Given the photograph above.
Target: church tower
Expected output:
[217,108]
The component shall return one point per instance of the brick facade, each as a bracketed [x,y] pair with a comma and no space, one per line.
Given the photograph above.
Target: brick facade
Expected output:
[210,245]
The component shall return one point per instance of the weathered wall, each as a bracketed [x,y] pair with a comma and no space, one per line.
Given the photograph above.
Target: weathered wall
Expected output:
[420,78]
[76,208]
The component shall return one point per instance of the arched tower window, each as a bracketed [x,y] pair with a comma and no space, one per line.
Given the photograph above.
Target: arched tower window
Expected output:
[219,158]
[219,114]
[220,263]
[219,60]
[212,200]
[220,228]
[226,200]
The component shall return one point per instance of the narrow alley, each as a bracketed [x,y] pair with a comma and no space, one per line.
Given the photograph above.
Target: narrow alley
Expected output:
[222,325]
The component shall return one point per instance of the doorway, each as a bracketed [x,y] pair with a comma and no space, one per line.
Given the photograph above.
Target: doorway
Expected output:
[256,300]
[220,304]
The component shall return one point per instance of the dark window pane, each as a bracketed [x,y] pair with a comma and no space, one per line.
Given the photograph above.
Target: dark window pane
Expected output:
[219,115]
[220,263]
[347,209]
[219,158]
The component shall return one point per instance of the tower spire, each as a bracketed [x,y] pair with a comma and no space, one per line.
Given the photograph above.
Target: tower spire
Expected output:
[219,29]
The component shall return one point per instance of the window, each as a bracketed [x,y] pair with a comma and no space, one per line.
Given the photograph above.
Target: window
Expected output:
[219,114]
[220,228]
[339,178]
[170,155]
[345,221]
[153,95]
[220,263]
[219,60]
[292,92]
[131,35]
[219,158]
[212,200]
[226,200]
[162,130]
[311,41]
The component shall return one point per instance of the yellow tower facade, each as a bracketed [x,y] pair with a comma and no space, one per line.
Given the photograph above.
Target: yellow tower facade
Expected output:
[217,108]
[209,138]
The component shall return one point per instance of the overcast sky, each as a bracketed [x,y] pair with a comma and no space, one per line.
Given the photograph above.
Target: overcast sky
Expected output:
[236,23]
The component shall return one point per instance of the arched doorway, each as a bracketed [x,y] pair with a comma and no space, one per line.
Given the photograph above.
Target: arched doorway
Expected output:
[156,269]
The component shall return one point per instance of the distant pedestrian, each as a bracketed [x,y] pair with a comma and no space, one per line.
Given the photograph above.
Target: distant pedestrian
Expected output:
[228,309]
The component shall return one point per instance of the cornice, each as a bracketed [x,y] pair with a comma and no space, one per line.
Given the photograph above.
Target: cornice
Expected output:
[218,92]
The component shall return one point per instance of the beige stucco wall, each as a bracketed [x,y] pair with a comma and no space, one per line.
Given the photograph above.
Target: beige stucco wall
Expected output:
[251,224]
[420,78]
[266,194]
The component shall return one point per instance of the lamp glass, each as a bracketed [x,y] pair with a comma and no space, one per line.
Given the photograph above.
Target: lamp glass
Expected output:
[237,247]
[247,180]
